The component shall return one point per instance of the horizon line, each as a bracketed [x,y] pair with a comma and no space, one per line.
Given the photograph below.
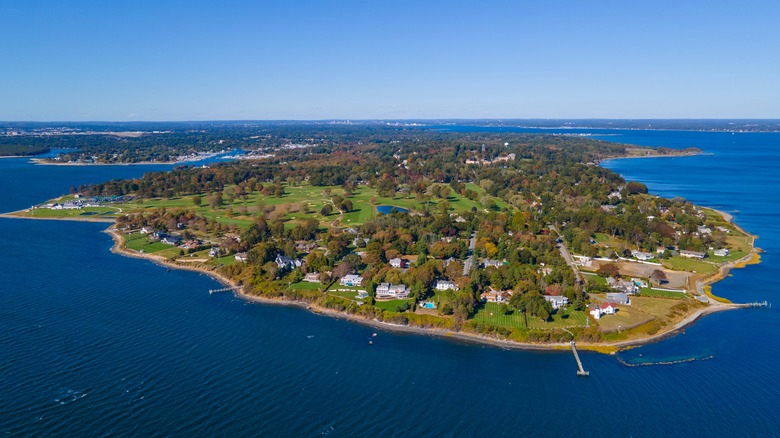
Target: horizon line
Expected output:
[449,119]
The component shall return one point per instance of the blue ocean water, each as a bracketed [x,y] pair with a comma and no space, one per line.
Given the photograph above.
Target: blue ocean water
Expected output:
[93,343]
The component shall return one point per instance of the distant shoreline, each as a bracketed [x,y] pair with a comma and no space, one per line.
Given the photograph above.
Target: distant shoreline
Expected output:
[670,155]
[44,162]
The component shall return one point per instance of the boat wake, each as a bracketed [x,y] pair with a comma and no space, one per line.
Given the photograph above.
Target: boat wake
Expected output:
[68,395]
[670,362]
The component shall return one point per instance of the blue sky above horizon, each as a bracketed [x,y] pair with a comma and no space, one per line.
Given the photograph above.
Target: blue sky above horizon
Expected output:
[228,60]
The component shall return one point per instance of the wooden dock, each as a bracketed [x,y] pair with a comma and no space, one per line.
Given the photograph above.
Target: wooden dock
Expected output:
[580,371]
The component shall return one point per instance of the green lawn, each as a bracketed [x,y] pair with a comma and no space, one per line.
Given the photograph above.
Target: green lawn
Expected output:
[596,280]
[647,292]
[569,318]
[139,242]
[305,285]
[680,263]
[225,261]
[391,305]
[351,295]
[490,314]
[87,212]
[305,201]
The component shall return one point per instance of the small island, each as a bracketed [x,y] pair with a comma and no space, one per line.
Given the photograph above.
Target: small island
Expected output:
[513,239]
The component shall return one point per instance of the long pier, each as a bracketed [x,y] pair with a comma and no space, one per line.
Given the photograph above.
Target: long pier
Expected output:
[581,371]
[224,289]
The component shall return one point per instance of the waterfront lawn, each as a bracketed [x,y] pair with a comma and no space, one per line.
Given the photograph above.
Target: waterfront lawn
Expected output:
[626,318]
[305,285]
[139,242]
[348,292]
[680,263]
[228,260]
[654,306]
[391,305]
[349,295]
[489,314]
[568,318]
[169,252]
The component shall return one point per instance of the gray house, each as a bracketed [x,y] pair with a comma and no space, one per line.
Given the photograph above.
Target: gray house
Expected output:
[618,297]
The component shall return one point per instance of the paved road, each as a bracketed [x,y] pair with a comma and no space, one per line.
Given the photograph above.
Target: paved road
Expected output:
[470,260]
[566,256]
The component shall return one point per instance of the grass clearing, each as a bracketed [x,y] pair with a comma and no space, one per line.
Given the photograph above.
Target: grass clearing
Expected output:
[680,263]
[305,285]
[647,292]
[489,313]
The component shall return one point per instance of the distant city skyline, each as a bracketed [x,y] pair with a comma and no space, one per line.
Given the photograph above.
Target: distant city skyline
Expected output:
[309,60]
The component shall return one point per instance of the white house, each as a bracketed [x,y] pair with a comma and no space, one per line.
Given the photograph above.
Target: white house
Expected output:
[557,301]
[692,254]
[493,263]
[312,277]
[723,252]
[241,257]
[399,263]
[387,290]
[605,308]
[445,285]
[214,251]
[643,256]
[351,280]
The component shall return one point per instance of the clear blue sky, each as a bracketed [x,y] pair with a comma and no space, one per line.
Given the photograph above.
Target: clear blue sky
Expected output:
[196,60]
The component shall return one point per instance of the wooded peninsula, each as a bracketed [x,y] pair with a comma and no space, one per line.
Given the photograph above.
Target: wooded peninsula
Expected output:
[519,239]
